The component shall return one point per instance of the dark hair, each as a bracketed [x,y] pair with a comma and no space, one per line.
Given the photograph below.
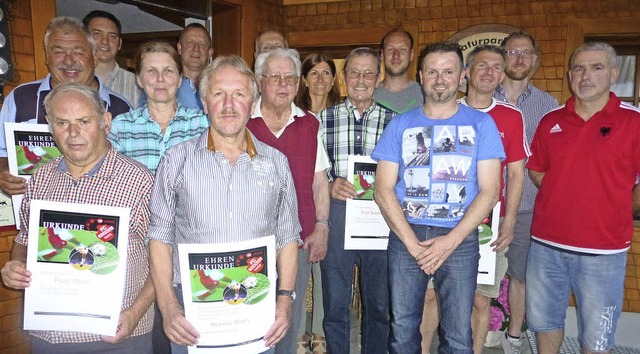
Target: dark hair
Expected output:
[396,30]
[157,47]
[303,100]
[484,48]
[102,14]
[194,25]
[521,34]
[440,47]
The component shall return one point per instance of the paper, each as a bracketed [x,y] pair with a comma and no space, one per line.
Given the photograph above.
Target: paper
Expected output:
[78,265]
[229,293]
[365,228]
[487,233]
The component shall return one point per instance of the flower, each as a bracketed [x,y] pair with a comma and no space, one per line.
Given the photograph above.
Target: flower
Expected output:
[499,319]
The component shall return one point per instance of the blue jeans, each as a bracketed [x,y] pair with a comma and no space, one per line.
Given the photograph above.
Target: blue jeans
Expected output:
[455,285]
[337,277]
[597,282]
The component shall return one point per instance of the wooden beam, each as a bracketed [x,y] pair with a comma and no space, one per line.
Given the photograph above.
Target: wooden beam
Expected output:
[304,2]
[364,36]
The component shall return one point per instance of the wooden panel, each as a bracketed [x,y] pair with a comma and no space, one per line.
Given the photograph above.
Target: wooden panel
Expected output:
[226,27]
[351,36]
[304,2]
[42,11]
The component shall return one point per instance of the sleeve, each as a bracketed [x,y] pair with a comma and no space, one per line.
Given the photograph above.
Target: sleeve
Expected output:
[288,223]
[322,160]
[23,235]
[162,204]
[113,134]
[489,141]
[389,146]
[7,114]
[516,147]
[140,212]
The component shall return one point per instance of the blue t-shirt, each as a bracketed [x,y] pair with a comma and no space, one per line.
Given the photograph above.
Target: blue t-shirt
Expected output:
[437,178]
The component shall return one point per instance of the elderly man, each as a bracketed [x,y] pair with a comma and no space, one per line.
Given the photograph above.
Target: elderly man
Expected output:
[453,153]
[227,154]
[70,51]
[585,159]
[279,123]
[90,171]
[522,59]
[269,40]
[107,32]
[397,91]
[353,128]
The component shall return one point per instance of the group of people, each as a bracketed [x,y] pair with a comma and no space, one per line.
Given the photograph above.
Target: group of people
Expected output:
[215,152]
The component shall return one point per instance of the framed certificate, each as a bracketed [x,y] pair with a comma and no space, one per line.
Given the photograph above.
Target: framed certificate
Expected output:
[78,263]
[29,146]
[229,293]
[487,233]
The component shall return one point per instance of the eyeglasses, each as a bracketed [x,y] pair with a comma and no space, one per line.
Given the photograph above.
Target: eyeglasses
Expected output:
[355,74]
[274,79]
[523,53]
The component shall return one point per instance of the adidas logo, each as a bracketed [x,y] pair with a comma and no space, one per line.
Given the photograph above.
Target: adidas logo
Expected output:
[556,129]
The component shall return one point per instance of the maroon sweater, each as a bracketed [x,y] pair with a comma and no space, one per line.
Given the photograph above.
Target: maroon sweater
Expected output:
[298,143]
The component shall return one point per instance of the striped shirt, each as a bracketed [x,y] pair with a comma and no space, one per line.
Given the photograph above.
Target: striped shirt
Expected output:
[115,181]
[199,197]
[124,82]
[139,137]
[345,132]
[534,104]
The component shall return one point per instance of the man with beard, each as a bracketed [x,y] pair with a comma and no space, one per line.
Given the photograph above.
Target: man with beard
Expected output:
[522,60]
[442,241]
[71,56]
[397,92]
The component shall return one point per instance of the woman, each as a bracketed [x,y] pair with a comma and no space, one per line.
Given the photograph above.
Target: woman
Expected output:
[318,77]
[316,93]
[146,133]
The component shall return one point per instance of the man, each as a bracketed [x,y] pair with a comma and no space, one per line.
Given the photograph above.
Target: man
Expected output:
[522,60]
[107,32]
[279,123]
[269,40]
[438,177]
[582,224]
[71,52]
[225,152]
[90,171]
[397,92]
[194,47]
[353,127]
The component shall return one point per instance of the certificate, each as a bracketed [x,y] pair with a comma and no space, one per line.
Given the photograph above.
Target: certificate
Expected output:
[78,263]
[29,146]
[488,232]
[229,293]
[365,228]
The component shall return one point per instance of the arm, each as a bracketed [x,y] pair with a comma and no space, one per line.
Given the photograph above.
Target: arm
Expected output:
[536,177]
[14,273]
[515,186]
[385,197]
[440,248]
[342,189]
[316,242]
[130,317]
[9,183]
[287,265]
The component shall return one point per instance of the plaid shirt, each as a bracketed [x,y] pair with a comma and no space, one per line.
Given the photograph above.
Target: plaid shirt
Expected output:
[345,133]
[115,181]
[138,136]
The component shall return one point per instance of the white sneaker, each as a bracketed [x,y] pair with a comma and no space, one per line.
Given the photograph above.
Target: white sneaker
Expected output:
[510,345]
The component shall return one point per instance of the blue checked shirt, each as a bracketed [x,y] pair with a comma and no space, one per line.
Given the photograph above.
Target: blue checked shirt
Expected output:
[345,133]
[138,136]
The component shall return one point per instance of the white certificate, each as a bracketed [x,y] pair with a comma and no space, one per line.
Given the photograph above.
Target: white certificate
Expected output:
[29,146]
[78,263]
[365,228]
[229,293]
[488,232]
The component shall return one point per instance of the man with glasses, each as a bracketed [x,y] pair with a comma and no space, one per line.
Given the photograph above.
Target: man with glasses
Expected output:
[353,128]
[107,32]
[522,60]
[279,123]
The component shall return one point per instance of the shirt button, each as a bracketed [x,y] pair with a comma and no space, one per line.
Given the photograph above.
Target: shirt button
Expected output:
[231,215]
[230,187]
[270,184]
[259,183]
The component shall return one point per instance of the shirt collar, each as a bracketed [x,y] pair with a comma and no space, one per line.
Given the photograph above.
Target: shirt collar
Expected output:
[295,110]
[103,91]
[106,161]
[251,147]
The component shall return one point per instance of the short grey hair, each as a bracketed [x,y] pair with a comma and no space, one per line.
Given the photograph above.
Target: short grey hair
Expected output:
[264,58]
[596,46]
[67,25]
[84,90]
[220,62]
[360,52]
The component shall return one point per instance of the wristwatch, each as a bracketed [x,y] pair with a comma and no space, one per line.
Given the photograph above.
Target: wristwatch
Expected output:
[289,293]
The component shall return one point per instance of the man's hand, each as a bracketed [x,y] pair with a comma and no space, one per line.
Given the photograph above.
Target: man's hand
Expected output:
[126,325]
[282,322]
[342,189]
[505,235]
[15,275]
[438,250]
[316,243]
[177,328]
[11,184]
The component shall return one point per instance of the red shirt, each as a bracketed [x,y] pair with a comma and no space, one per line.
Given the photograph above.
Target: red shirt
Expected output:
[584,203]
